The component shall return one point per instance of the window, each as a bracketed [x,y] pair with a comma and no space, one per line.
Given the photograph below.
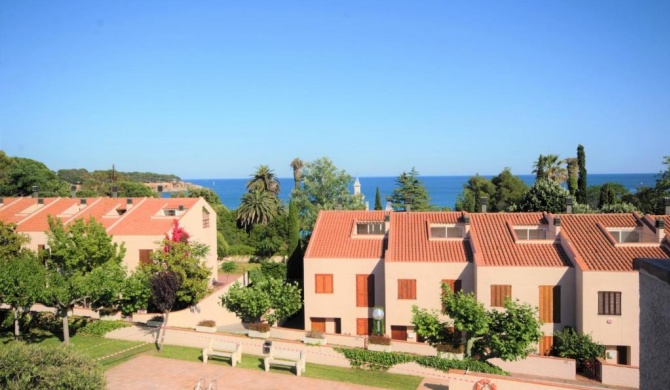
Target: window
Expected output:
[499,292]
[532,233]
[170,212]
[364,326]
[324,283]
[145,256]
[609,303]
[365,290]
[406,288]
[550,304]
[446,232]
[625,235]
[370,228]
[205,218]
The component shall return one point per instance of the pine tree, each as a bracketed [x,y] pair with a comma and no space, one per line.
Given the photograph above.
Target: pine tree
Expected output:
[378,200]
[581,181]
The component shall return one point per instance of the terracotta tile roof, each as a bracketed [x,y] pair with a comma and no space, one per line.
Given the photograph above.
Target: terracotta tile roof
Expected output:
[143,218]
[409,239]
[332,236]
[38,220]
[495,245]
[598,252]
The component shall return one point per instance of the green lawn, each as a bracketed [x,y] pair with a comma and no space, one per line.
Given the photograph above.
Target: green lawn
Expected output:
[121,351]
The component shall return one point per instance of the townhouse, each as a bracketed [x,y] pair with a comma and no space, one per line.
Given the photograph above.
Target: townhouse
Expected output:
[577,269]
[138,223]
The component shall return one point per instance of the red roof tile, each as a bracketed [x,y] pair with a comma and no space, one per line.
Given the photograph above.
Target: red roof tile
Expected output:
[596,250]
[332,236]
[409,239]
[144,218]
[495,245]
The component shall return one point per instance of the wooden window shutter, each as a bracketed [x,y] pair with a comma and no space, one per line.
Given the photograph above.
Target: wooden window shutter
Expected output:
[550,304]
[329,284]
[498,294]
[323,283]
[145,256]
[361,290]
[546,344]
[454,284]
[406,288]
[361,326]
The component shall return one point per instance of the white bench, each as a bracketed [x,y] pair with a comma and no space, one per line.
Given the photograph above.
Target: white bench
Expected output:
[286,358]
[224,349]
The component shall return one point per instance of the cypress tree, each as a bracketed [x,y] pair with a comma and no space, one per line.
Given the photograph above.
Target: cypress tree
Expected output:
[378,200]
[581,180]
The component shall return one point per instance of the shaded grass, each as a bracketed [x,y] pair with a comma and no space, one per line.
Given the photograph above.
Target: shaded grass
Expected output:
[317,371]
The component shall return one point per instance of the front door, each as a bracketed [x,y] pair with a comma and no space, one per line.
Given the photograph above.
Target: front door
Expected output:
[318,324]
[399,332]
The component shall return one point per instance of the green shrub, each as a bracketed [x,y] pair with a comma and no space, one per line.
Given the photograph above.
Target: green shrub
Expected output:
[101,328]
[35,367]
[578,346]
[441,364]
[372,360]
[52,323]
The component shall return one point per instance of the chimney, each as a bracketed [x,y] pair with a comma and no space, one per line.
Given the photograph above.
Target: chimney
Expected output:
[181,207]
[159,188]
[466,221]
[667,205]
[485,202]
[557,225]
[40,200]
[389,206]
[36,190]
[2,200]
[568,204]
[82,201]
[387,223]
[73,191]
[660,229]
[129,203]
[367,205]
[408,202]
[339,203]
[115,191]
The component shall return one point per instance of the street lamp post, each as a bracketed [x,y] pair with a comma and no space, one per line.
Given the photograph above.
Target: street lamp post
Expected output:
[378,315]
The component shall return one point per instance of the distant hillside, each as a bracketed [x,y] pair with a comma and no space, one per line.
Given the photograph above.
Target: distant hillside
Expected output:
[81,175]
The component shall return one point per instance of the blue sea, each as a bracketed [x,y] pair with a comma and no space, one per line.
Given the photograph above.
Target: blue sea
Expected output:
[443,190]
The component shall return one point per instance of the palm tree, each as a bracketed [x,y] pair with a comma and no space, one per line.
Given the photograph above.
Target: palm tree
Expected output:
[549,168]
[297,165]
[264,180]
[257,207]
[555,172]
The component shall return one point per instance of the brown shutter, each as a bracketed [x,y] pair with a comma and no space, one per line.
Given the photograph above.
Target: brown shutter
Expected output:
[329,284]
[546,302]
[145,256]
[546,344]
[401,289]
[498,294]
[361,290]
[318,283]
[362,326]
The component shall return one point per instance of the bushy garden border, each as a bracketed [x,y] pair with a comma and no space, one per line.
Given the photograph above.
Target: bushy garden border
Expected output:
[372,360]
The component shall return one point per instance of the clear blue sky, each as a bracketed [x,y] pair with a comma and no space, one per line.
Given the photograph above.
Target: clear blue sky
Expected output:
[212,89]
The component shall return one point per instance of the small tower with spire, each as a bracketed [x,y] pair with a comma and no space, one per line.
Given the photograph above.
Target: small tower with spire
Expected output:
[357,187]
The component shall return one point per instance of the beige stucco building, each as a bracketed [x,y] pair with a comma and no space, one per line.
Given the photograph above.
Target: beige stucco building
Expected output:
[577,269]
[138,223]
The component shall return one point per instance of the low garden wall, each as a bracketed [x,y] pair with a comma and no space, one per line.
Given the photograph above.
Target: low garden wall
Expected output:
[552,367]
[619,375]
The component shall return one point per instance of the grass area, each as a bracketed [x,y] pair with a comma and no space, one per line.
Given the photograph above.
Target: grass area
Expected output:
[97,347]
[317,371]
